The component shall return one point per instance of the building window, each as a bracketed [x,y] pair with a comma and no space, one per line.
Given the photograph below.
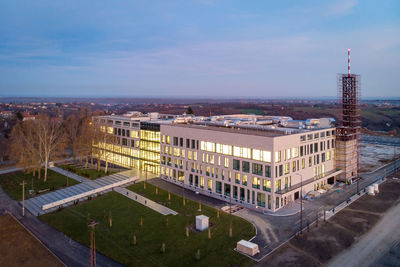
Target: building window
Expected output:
[209,184]
[268,171]
[242,194]
[256,182]
[132,143]
[261,199]
[236,165]
[191,179]
[257,169]
[287,168]
[235,192]
[218,187]
[181,141]
[277,185]
[280,170]
[227,189]
[201,182]
[226,162]
[124,142]
[245,166]
[187,143]
[244,179]
[266,185]
[237,178]
[277,156]
[175,141]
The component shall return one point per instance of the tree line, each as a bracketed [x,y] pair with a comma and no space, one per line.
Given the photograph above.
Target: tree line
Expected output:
[35,143]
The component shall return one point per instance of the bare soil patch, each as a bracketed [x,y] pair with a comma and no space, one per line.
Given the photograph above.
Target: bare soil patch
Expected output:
[322,243]
[19,248]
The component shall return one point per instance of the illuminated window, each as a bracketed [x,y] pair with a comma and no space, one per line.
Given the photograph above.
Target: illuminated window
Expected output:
[266,185]
[211,159]
[277,185]
[202,182]
[244,179]
[266,156]
[286,169]
[295,152]
[256,182]
[226,163]
[209,184]
[277,156]
[134,134]
[237,177]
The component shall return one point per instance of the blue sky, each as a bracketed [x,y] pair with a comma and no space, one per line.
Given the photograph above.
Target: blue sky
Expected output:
[205,48]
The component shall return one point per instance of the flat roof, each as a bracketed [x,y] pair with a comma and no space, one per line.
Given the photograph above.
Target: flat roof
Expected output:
[233,129]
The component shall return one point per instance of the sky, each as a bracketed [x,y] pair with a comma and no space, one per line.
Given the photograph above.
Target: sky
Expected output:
[198,48]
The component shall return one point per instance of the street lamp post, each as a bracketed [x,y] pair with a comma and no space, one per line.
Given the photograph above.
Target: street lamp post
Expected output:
[301,201]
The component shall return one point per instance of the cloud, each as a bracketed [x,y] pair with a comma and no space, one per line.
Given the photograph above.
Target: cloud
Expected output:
[341,8]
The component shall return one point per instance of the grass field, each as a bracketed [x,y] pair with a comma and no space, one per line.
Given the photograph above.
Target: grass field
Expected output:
[11,183]
[19,248]
[117,241]
[88,173]
[255,111]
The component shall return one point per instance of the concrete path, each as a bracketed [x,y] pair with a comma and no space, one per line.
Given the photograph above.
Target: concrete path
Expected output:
[373,244]
[70,252]
[145,201]
[70,174]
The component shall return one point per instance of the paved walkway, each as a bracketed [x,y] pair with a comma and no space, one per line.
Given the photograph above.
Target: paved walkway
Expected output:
[70,174]
[64,197]
[69,251]
[145,201]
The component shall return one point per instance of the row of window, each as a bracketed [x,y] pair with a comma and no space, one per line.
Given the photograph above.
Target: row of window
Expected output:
[225,189]
[317,135]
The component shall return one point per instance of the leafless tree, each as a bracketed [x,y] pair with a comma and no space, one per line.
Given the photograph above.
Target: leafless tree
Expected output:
[51,139]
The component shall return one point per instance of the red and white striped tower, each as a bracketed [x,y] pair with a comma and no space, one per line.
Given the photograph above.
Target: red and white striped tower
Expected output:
[348,62]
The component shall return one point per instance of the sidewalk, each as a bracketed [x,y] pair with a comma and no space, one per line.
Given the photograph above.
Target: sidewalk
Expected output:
[145,201]
[70,174]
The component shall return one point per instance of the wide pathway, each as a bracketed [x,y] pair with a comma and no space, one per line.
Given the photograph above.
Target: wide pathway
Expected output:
[70,174]
[49,202]
[374,244]
[69,251]
[145,201]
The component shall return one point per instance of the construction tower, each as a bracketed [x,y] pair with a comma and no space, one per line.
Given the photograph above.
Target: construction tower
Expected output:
[348,133]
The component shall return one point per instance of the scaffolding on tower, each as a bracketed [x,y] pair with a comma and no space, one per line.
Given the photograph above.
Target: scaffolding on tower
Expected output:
[348,133]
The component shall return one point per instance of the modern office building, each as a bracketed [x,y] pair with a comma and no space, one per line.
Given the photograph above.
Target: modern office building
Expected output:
[257,161]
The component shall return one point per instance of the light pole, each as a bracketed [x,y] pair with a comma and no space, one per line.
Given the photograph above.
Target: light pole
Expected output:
[301,201]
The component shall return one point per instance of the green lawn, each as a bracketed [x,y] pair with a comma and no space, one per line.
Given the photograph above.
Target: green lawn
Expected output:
[255,111]
[116,242]
[11,183]
[88,173]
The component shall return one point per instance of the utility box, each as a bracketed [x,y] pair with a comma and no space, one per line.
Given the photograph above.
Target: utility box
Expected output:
[201,222]
[247,247]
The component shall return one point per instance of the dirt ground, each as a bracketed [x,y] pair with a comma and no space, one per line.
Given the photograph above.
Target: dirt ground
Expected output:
[19,248]
[322,243]
[374,156]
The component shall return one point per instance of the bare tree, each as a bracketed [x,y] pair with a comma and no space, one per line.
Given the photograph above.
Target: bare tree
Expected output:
[51,139]
[74,127]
